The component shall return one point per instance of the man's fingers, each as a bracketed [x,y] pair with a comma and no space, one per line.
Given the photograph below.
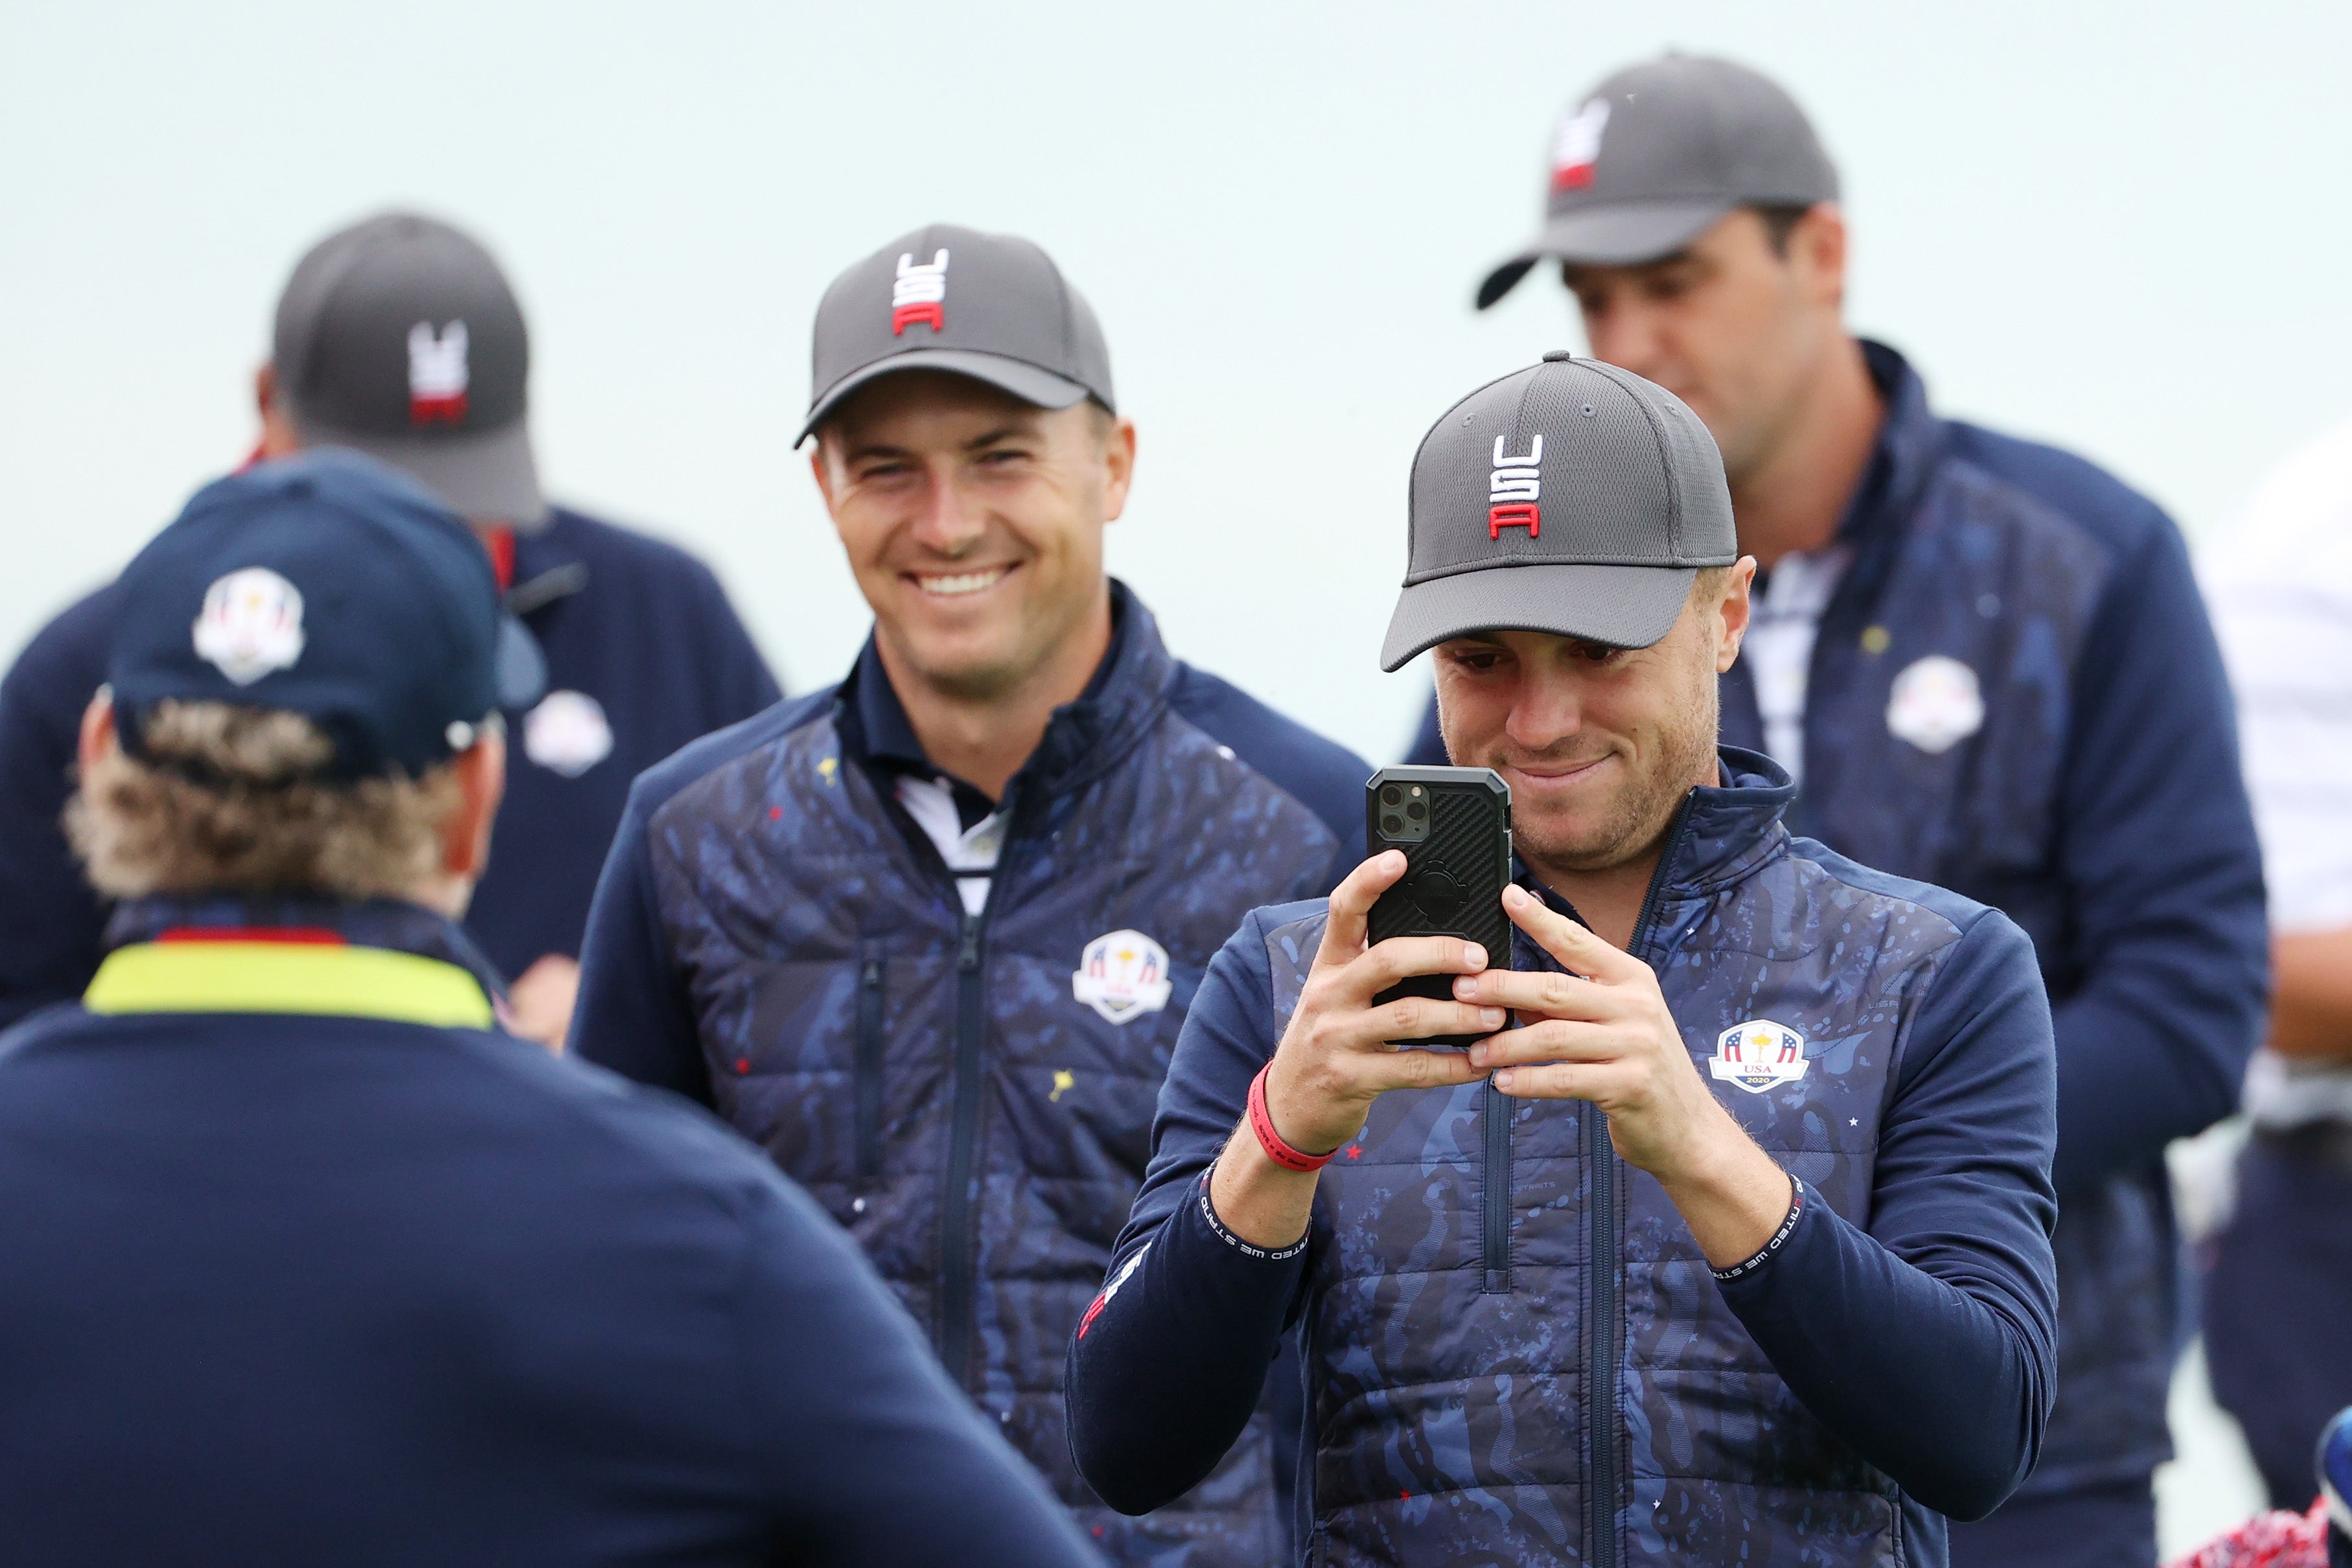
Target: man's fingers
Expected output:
[1352,904]
[1595,1081]
[1418,1018]
[1401,957]
[1420,1069]
[1542,992]
[1572,945]
[1552,1040]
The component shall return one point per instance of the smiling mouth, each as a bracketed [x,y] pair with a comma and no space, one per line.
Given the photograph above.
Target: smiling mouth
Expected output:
[1557,773]
[958,585]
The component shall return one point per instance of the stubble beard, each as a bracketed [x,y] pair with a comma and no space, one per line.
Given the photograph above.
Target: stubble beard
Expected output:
[1640,815]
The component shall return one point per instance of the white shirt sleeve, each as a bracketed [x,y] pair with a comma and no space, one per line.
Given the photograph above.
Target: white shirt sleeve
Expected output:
[2279,583]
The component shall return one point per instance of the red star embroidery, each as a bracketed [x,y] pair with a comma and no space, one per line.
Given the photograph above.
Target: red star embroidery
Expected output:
[1355,1150]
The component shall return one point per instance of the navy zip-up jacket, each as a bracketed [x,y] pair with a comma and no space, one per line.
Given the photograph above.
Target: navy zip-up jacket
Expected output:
[1516,1352]
[2098,803]
[639,627]
[392,1288]
[972,1095]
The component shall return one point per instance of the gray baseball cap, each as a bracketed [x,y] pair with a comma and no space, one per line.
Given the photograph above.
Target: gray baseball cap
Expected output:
[1647,160]
[399,337]
[988,306]
[1572,498]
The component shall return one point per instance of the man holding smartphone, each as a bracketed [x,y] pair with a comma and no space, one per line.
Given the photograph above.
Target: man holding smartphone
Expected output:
[1986,662]
[927,936]
[1737,1250]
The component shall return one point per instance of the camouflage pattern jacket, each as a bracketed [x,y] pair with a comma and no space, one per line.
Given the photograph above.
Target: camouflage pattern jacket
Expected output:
[970,1095]
[2014,693]
[1516,1352]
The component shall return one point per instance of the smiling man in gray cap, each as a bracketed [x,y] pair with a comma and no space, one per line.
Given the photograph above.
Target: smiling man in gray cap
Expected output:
[927,936]
[1986,665]
[1737,1250]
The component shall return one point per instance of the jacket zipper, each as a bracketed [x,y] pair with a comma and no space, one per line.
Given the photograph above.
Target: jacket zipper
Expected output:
[1607,1338]
[1495,1116]
[956,1261]
[870,1063]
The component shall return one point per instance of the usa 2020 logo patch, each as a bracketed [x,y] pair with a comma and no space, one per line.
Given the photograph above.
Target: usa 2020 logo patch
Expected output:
[1758,1054]
[1123,974]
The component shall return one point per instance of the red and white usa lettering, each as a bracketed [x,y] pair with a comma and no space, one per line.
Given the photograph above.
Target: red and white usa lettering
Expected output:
[920,294]
[1576,148]
[437,374]
[1514,488]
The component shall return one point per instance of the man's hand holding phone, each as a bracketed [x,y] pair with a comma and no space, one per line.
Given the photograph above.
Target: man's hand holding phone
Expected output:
[1338,1056]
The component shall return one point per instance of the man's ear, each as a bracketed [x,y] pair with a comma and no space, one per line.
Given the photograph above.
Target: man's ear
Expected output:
[98,736]
[1119,463]
[1731,613]
[820,469]
[280,435]
[1819,244]
[482,772]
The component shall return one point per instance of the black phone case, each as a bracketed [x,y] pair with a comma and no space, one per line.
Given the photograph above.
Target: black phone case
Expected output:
[1454,879]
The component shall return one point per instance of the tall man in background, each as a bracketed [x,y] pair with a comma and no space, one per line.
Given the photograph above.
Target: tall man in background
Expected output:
[1986,665]
[400,337]
[2281,579]
[927,936]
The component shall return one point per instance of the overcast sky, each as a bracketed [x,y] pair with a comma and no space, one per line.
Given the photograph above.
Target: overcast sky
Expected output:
[2120,227]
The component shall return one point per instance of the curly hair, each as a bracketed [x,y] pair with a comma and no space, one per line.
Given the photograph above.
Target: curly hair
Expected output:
[228,799]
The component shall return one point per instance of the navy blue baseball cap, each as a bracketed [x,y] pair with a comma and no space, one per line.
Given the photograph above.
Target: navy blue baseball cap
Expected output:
[330,585]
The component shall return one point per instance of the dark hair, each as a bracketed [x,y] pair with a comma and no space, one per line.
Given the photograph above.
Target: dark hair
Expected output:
[1780,219]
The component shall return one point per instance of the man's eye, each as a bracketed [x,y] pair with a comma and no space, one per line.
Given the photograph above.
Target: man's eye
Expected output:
[1000,459]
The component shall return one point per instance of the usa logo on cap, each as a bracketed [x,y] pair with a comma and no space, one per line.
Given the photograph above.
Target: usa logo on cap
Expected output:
[1514,488]
[919,294]
[437,374]
[1578,146]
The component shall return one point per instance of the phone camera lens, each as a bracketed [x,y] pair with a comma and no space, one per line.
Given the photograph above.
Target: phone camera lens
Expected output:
[1416,811]
[1390,795]
[1392,824]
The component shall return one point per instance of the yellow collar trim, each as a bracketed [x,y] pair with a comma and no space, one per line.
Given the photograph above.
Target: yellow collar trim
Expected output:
[287,977]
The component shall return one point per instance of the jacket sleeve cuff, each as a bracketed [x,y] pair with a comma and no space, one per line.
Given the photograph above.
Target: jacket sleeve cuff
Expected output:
[1246,1248]
[1799,1201]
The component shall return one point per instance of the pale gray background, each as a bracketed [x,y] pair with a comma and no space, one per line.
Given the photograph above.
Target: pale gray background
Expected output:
[2119,227]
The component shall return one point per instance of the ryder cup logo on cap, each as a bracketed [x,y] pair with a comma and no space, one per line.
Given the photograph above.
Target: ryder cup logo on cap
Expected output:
[1757,1055]
[567,733]
[918,293]
[1123,974]
[437,374]
[1578,146]
[251,623]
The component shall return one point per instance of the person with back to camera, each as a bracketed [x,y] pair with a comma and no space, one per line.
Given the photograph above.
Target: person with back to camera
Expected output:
[400,337]
[927,937]
[310,1260]
[1779,1291]
[1986,663]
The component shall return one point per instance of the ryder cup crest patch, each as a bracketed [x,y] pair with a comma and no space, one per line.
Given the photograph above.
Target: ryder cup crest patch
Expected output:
[251,623]
[1758,1054]
[1123,974]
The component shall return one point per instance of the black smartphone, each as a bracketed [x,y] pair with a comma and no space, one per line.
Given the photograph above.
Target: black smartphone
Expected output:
[1455,827]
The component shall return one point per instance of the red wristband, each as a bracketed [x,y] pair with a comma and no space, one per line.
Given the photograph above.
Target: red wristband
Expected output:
[1262,1123]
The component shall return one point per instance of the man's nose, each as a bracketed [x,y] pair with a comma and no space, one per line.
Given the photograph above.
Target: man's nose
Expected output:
[1628,335]
[948,523]
[1545,713]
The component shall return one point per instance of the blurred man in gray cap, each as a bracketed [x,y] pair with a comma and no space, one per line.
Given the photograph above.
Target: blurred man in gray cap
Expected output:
[926,936]
[1986,663]
[400,337]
